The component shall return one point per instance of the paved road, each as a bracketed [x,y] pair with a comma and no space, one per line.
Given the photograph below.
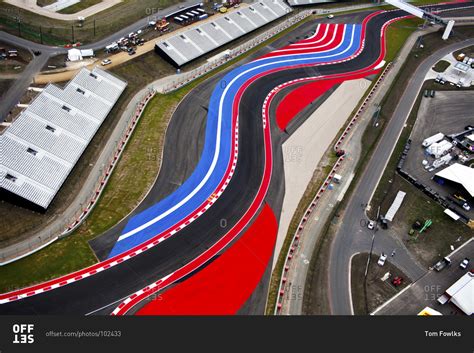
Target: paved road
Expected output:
[347,241]
[428,288]
[16,91]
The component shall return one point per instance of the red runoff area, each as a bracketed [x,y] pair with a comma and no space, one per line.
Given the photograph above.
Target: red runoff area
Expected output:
[222,287]
[299,98]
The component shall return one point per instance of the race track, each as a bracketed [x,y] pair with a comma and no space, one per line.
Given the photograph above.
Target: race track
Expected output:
[219,188]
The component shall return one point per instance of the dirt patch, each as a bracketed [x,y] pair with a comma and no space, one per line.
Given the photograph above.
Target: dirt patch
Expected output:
[368,293]
[433,243]
[55,62]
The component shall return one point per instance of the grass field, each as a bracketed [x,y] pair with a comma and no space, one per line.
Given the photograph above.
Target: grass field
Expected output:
[56,32]
[44,3]
[73,252]
[82,5]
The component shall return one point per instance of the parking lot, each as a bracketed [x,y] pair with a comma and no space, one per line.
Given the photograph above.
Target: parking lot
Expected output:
[447,112]
[430,287]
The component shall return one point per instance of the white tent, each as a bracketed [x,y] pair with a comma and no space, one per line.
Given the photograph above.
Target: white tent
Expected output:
[77,55]
[74,55]
[460,174]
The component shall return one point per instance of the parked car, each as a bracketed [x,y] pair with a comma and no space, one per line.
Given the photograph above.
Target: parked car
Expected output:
[441,264]
[432,93]
[371,225]
[382,259]
[464,263]
[331,16]
[426,94]
[106,62]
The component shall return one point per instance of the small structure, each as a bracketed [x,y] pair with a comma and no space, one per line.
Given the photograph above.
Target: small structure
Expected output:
[461,67]
[337,178]
[77,54]
[459,174]
[74,55]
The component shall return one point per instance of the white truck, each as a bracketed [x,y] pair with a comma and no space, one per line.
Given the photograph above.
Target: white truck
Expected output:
[439,149]
[433,139]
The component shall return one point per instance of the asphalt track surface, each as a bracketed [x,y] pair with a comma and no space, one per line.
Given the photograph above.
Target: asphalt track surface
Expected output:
[107,288]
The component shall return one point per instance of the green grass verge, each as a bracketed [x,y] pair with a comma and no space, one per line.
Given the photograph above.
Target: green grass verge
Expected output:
[44,3]
[441,66]
[121,194]
[82,5]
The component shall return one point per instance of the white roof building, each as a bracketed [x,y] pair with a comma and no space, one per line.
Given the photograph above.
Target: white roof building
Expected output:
[41,147]
[460,174]
[203,38]
[461,293]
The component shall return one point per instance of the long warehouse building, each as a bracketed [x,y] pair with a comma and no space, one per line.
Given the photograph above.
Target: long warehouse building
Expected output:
[41,147]
[186,46]
[308,2]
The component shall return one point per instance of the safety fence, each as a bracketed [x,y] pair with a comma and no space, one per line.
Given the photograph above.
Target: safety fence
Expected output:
[362,107]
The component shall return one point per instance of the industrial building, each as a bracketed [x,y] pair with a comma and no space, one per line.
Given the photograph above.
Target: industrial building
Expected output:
[43,144]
